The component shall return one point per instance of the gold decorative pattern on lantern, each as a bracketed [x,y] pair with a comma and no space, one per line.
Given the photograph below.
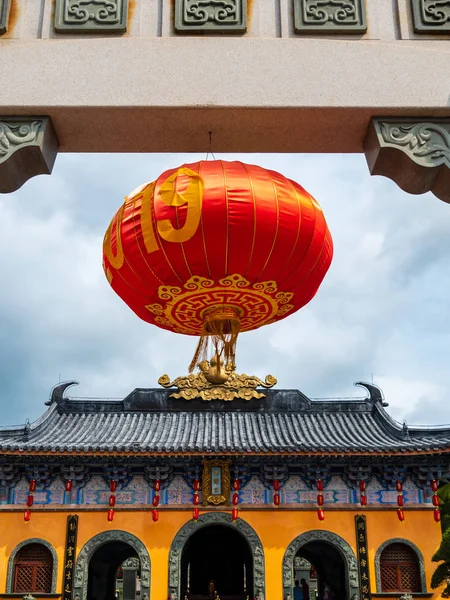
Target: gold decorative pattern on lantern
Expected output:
[256,304]
[216,381]
[216,482]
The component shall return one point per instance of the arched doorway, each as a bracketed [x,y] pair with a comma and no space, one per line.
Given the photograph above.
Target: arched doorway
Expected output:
[216,554]
[332,563]
[110,561]
[217,560]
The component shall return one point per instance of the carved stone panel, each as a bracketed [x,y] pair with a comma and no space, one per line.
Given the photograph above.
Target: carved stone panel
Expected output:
[4,14]
[211,16]
[28,147]
[415,153]
[330,16]
[91,16]
[431,16]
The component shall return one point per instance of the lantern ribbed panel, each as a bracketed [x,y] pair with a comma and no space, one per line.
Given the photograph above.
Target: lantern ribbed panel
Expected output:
[255,227]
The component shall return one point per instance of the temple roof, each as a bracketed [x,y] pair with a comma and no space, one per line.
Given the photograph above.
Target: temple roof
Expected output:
[285,421]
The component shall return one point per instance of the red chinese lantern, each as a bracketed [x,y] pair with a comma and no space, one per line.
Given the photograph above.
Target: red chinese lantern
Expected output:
[30,500]
[400,515]
[69,485]
[112,500]
[237,484]
[234,514]
[276,485]
[436,501]
[196,499]
[235,499]
[155,515]
[320,500]
[195,514]
[110,515]
[113,485]
[27,515]
[32,487]
[276,499]
[155,500]
[400,500]
[196,485]
[214,248]
[363,496]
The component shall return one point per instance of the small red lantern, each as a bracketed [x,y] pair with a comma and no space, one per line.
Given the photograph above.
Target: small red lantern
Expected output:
[362,485]
[437,515]
[436,500]
[434,485]
[27,515]
[157,485]
[398,486]
[112,500]
[30,500]
[400,500]
[234,514]
[400,515]
[237,485]
[362,489]
[69,485]
[195,514]
[155,500]
[155,515]
[110,515]
[276,499]
[113,485]
[321,514]
[235,499]
[320,499]
[196,500]
[364,500]
[276,485]
[32,485]
[196,485]
[319,485]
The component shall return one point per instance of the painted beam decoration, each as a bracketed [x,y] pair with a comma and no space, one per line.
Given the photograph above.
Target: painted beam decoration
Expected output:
[363,560]
[69,556]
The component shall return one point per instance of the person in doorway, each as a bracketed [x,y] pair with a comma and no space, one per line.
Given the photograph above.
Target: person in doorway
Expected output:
[305,589]
[326,591]
[298,593]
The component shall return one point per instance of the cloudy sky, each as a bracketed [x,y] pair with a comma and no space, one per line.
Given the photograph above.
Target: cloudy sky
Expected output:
[382,311]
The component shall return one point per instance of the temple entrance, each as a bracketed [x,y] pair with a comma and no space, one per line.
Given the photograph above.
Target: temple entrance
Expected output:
[217,561]
[114,573]
[320,570]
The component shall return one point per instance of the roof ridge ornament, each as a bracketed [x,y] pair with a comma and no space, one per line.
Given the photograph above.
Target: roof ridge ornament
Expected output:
[217,381]
[57,393]
[375,393]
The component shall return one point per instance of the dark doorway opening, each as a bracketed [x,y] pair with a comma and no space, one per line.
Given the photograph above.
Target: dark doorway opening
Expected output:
[107,580]
[217,560]
[326,576]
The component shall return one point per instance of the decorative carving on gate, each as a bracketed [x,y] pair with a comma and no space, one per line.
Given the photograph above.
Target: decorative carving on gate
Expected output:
[91,16]
[351,567]
[431,16]
[4,15]
[218,518]
[328,16]
[423,578]
[28,147]
[412,152]
[12,558]
[213,16]
[85,555]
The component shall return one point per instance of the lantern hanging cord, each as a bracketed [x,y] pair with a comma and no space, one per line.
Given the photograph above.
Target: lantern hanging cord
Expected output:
[221,327]
[210,147]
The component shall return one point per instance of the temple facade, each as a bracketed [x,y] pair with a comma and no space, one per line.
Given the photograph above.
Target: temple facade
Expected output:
[156,497]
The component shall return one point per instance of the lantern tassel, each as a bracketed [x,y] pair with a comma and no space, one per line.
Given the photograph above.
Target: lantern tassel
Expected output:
[221,327]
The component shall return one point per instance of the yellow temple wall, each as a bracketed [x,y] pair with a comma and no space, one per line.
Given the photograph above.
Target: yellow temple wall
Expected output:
[276,529]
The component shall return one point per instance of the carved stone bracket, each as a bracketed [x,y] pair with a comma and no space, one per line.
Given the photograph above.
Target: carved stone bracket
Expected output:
[206,519]
[211,16]
[91,16]
[28,147]
[82,565]
[330,16]
[351,567]
[415,153]
[4,15]
[431,16]
[12,558]
[423,579]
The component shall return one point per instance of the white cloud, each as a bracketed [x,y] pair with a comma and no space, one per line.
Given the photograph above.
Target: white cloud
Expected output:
[382,308]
